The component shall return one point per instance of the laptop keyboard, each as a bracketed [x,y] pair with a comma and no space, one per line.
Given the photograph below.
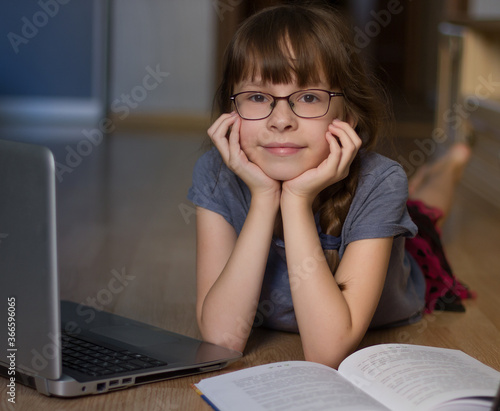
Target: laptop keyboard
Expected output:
[95,360]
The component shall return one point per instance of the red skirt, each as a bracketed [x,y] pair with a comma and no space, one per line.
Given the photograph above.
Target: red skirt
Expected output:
[443,290]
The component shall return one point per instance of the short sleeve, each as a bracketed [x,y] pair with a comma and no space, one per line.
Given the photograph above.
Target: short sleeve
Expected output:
[217,189]
[379,206]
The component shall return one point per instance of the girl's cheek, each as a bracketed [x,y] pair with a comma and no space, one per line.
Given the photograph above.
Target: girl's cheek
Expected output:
[243,136]
[246,134]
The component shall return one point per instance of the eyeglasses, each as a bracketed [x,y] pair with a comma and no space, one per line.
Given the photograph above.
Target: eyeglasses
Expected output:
[311,103]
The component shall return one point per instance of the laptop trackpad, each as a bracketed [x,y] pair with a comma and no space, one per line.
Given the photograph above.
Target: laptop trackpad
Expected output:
[133,335]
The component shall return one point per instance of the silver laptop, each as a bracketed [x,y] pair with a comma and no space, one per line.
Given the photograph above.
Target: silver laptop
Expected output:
[62,348]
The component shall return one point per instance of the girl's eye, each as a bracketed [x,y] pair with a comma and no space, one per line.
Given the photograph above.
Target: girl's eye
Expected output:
[258,98]
[308,98]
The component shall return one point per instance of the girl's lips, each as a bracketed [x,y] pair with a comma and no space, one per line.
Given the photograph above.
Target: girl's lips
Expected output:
[285,149]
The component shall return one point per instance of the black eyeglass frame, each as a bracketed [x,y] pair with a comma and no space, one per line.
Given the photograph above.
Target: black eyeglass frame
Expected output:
[287,98]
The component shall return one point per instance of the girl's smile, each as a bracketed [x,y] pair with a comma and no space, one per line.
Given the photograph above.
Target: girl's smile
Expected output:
[283,149]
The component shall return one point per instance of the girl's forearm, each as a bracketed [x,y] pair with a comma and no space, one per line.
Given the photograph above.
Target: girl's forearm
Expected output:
[229,307]
[322,313]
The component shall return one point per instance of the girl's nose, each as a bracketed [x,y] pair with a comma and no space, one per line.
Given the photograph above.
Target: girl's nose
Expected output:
[282,117]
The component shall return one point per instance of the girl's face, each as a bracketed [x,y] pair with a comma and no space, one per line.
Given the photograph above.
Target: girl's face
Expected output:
[284,145]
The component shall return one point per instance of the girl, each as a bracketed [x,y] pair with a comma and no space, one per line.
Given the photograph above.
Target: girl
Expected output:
[300,226]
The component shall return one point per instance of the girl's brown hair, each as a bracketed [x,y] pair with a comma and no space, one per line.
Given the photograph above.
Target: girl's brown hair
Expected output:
[309,44]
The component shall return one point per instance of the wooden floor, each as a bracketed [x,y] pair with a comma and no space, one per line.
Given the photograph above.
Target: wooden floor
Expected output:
[124,207]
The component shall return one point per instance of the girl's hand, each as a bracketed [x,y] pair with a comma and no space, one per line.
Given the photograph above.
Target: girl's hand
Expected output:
[234,157]
[344,144]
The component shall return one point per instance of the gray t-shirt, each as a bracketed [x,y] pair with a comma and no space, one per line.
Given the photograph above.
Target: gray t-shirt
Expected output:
[377,210]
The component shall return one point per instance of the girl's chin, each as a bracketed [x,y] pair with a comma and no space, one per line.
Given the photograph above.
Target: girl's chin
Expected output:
[283,175]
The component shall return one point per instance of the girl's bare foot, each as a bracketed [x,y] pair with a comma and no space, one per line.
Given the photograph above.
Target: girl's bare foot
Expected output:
[453,161]
[435,185]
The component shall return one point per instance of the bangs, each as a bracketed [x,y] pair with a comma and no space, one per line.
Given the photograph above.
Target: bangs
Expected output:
[279,63]
[281,49]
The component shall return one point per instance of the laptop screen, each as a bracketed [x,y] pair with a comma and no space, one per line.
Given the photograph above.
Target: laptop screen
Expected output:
[28,261]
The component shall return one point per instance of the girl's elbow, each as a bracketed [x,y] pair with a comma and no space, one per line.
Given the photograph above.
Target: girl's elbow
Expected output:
[217,333]
[227,340]
[331,357]
[224,339]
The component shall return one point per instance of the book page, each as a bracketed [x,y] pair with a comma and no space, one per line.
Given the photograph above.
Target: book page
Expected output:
[290,386]
[418,377]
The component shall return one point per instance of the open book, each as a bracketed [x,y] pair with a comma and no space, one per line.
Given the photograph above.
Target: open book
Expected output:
[381,377]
